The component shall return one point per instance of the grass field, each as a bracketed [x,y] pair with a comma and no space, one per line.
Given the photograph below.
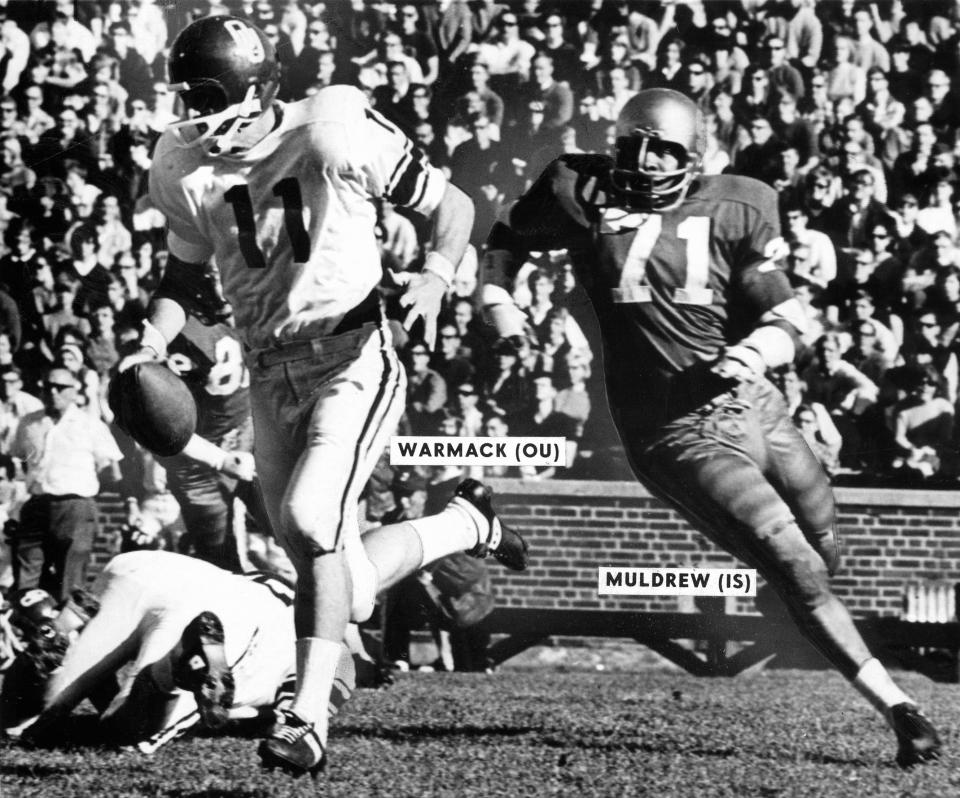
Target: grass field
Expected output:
[545,732]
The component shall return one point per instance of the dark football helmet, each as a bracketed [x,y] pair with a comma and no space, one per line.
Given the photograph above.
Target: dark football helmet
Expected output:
[226,72]
[665,123]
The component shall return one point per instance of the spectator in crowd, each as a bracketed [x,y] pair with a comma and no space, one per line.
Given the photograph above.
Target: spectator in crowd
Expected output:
[868,52]
[925,264]
[394,99]
[467,409]
[843,390]
[926,347]
[812,255]
[426,391]
[506,54]
[135,74]
[946,114]
[759,158]
[506,388]
[418,43]
[784,77]
[565,57]
[12,497]
[795,132]
[449,361]
[63,450]
[543,421]
[555,96]
[846,80]
[822,442]
[573,401]
[15,404]
[866,353]
[923,425]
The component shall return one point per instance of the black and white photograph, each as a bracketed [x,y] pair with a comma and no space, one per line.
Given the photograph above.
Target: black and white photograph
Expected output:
[469,398]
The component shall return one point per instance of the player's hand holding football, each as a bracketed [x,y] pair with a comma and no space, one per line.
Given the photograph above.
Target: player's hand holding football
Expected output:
[423,297]
[142,355]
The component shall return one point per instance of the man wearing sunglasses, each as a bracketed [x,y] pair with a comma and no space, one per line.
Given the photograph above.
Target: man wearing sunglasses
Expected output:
[58,524]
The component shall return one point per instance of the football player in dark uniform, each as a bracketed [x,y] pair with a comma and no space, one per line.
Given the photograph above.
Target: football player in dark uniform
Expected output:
[693,309]
[209,359]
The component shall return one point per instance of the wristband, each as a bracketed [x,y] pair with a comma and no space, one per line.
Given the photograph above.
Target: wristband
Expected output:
[153,339]
[440,266]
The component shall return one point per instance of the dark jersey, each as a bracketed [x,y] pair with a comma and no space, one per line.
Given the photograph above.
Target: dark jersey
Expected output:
[670,289]
[210,362]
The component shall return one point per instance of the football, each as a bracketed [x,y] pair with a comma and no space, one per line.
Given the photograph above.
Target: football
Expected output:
[154,407]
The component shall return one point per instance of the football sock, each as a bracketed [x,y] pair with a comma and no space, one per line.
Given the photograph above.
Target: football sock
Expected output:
[317,660]
[874,683]
[459,526]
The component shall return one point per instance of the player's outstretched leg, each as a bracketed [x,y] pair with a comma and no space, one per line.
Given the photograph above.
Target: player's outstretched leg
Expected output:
[200,667]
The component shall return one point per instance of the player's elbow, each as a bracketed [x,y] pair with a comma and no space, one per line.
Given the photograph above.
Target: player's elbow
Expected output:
[458,208]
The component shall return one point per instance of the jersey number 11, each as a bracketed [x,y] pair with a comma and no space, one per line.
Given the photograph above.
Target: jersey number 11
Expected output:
[288,190]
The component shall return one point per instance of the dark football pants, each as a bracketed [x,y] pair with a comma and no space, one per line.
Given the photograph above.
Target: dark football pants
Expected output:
[739,471]
[206,503]
[54,543]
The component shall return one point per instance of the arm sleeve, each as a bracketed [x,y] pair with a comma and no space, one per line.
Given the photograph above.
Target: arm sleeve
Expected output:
[184,238]
[760,277]
[398,170]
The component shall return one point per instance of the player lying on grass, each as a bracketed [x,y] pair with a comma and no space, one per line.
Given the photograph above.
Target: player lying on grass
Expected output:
[175,641]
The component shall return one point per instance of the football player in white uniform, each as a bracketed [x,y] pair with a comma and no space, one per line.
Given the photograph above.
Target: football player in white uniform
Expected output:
[172,641]
[281,197]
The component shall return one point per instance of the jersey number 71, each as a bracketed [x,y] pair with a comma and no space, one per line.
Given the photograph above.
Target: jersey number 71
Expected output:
[695,231]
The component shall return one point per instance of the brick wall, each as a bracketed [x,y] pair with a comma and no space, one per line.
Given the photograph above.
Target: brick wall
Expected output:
[890,539]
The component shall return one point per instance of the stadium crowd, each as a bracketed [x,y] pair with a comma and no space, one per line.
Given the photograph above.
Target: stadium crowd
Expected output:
[847,109]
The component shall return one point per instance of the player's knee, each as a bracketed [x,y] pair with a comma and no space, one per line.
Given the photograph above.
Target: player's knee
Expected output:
[804,581]
[312,519]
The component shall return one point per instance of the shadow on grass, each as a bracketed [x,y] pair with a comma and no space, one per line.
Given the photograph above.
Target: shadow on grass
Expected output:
[36,771]
[416,732]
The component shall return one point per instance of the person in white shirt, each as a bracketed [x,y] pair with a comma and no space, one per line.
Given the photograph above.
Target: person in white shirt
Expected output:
[63,449]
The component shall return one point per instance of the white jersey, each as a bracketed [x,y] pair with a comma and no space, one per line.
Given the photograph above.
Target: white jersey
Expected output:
[290,221]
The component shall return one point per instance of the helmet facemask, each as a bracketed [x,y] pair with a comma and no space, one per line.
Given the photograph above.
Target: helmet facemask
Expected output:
[652,190]
[216,124]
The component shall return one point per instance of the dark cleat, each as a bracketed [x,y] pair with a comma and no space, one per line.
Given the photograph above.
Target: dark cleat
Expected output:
[918,740]
[201,668]
[293,746]
[502,541]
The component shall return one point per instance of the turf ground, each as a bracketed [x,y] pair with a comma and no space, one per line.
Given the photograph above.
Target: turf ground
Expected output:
[545,732]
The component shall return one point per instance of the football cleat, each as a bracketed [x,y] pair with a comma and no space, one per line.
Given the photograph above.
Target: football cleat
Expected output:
[502,541]
[293,746]
[373,675]
[201,668]
[918,740]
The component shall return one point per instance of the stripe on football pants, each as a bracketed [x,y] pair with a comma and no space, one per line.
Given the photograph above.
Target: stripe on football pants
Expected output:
[369,430]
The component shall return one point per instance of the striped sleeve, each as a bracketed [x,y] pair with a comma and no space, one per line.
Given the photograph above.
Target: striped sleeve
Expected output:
[400,169]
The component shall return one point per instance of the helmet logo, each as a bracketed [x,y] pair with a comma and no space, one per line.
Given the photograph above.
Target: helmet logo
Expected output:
[246,39]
